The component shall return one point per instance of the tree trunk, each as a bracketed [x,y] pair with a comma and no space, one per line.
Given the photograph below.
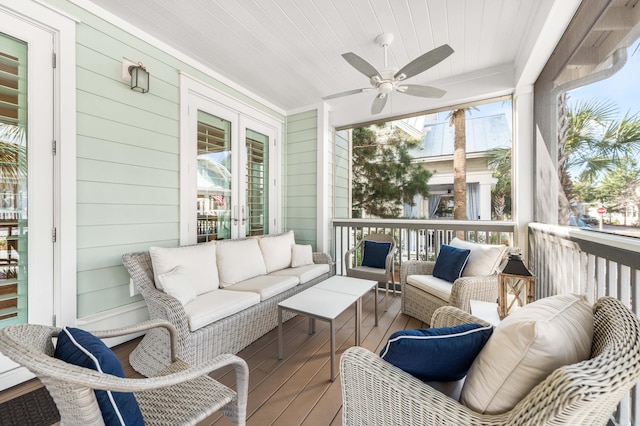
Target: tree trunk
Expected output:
[459,166]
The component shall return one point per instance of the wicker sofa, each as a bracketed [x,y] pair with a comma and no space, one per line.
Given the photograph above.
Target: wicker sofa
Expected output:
[422,293]
[233,331]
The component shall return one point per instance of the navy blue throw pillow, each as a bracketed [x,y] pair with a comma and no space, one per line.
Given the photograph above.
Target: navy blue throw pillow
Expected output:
[450,263]
[436,354]
[375,254]
[82,348]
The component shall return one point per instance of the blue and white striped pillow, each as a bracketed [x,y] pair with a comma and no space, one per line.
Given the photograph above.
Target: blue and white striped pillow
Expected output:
[81,348]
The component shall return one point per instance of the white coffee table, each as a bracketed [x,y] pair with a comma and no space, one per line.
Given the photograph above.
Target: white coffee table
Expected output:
[325,301]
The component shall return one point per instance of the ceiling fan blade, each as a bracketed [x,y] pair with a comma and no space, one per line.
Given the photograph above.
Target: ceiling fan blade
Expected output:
[361,65]
[424,62]
[378,103]
[422,91]
[347,93]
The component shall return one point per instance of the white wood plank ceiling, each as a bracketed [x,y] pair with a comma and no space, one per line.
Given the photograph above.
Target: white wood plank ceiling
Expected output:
[288,52]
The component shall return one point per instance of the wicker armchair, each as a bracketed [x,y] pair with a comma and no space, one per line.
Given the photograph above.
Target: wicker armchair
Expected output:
[375,274]
[375,392]
[421,305]
[179,395]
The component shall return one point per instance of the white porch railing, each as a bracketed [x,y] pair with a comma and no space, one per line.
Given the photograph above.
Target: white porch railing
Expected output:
[562,259]
[416,239]
[596,264]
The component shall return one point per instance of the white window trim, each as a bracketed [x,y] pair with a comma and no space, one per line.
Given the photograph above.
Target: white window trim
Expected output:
[190,86]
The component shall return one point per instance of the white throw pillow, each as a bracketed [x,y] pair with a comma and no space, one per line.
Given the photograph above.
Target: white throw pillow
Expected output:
[277,250]
[198,262]
[239,260]
[301,255]
[525,348]
[483,259]
[176,283]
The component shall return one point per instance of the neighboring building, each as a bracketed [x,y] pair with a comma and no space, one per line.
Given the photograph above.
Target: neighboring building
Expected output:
[436,154]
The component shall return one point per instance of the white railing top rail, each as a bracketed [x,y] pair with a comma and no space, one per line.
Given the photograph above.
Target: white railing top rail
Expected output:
[468,225]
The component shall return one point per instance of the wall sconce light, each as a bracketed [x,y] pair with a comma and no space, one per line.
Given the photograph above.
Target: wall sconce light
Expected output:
[516,285]
[139,78]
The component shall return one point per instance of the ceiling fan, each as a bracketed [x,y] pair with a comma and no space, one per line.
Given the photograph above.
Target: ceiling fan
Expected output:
[389,79]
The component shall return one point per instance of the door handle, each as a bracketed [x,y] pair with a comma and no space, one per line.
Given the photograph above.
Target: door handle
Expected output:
[244,218]
[235,215]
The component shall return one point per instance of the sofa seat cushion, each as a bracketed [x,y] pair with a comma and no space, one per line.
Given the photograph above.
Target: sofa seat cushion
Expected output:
[266,286]
[432,285]
[304,273]
[276,250]
[483,260]
[215,305]
[239,260]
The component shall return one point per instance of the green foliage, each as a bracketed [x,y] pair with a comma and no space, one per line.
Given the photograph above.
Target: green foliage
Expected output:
[384,176]
[499,159]
[618,188]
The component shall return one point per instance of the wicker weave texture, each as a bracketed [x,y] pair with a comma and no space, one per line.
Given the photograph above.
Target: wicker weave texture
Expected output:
[182,394]
[421,305]
[375,392]
[228,335]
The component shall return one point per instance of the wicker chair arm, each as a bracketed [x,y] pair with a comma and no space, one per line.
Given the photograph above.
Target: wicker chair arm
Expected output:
[174,374]
[378,393]
[144,326]
[319,257]
[466,289]
[349,253]
[450,316]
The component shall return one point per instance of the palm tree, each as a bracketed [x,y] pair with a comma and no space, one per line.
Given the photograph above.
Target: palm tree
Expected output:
[499,159]
[591,142]
[457,120]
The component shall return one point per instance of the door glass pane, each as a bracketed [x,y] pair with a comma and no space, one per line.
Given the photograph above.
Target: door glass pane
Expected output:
[214,178]
[257,146]
[13,181]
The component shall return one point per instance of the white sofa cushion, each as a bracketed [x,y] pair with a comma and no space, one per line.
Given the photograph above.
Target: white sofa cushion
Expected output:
[304,273]
[525,348]
[239,260]
[198,262]
[177,283]
[266,286]
[432,285]
[215,305]
[483,259]
[301,255]
[276,250]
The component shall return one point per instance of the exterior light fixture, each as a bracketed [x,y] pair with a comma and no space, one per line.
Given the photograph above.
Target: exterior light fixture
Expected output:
[139,78]
[516,285]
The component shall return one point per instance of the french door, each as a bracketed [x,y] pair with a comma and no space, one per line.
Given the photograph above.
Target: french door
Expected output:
[26,175]
[230,161]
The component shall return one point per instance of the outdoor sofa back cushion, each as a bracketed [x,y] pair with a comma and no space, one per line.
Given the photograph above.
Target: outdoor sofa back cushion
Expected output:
[198,263]
[239,260]
[525,348]
[436,354]
[375,254]
[483,259]
[276,250]
[82,348]
[450,263]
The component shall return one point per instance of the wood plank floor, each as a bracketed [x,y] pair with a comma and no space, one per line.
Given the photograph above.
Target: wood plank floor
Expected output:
[297,389]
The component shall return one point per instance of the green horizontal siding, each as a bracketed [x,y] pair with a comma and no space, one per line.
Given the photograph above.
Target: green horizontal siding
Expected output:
[301,190]
[128,165]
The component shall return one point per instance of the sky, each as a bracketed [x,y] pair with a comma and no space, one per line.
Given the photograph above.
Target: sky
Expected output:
[622,88]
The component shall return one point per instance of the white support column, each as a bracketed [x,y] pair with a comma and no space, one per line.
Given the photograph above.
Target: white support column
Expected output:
[523,164]
[324,172]
[485,201]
